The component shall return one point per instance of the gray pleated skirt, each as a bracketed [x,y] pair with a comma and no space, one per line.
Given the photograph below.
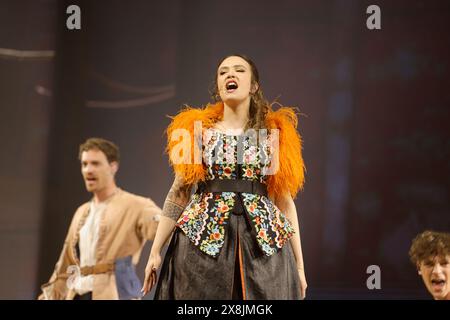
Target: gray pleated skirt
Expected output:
[240,270]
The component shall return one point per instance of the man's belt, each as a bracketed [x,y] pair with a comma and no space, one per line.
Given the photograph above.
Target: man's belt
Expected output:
[98,268]
[233,185]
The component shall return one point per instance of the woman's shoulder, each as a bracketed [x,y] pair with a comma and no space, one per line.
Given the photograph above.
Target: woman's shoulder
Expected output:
[290,176]
[282,118]
[188,115]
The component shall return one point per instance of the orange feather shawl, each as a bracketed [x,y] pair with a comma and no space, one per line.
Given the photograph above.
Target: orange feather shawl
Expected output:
[291,171]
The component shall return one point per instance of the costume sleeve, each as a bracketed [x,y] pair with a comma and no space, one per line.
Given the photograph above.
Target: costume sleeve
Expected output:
[148,220]
[56,288]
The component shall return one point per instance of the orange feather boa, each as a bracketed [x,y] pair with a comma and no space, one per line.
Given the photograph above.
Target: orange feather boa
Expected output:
[290,176]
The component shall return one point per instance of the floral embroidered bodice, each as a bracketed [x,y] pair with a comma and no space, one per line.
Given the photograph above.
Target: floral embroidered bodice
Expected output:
[205,218]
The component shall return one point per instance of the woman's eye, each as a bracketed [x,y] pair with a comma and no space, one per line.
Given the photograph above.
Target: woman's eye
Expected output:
[221,73]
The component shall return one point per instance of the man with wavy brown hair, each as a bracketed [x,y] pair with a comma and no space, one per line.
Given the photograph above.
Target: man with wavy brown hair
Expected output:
[430,253]
[106,235]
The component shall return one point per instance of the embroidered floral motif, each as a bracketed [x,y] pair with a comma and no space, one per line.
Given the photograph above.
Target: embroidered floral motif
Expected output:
[194,218]
[213,237]
[278,222]
[272,228]
[206,216]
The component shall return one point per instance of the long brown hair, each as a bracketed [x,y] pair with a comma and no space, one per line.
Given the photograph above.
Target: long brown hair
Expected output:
[259,106]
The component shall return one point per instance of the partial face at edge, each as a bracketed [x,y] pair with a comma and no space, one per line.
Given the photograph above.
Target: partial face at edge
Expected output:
[435,272]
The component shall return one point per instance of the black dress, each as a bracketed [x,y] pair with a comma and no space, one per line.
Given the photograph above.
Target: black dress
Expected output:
[231,245]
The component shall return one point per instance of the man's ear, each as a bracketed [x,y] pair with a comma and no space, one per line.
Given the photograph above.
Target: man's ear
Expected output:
[114,167]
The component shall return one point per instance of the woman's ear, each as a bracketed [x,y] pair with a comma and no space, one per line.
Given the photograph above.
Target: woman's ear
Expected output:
[255,87]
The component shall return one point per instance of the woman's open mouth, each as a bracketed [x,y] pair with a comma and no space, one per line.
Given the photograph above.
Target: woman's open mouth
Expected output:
[231,86]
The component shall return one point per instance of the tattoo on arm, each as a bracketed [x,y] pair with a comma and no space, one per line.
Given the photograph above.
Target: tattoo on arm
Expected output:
[172,210]
[176,199]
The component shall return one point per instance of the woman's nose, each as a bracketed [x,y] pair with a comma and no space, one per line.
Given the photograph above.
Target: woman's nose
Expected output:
[230,74]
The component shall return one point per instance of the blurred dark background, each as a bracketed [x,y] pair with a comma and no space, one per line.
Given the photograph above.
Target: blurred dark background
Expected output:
[376,108]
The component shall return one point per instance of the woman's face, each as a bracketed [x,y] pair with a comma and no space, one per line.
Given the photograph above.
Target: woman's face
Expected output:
[234,80]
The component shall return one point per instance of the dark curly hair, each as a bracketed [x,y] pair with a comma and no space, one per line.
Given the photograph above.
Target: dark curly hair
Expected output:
[429,244]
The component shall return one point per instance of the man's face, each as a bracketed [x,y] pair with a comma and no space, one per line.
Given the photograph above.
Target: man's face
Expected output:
[435,272]
[97,172]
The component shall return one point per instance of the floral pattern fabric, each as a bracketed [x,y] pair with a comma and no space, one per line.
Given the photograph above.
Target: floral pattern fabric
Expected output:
[205,218]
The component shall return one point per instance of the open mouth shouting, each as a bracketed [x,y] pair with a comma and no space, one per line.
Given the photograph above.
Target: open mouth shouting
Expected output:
[438,284]
[231,85]
[90,180]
